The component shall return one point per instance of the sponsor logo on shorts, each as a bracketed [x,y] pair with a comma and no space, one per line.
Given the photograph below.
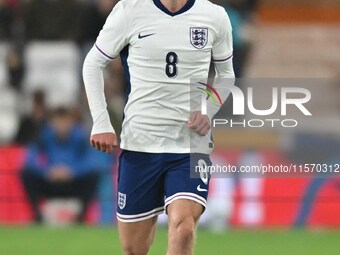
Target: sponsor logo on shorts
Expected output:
[200,189]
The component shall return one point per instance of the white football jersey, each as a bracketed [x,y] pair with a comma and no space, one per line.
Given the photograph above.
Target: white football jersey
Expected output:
[161,51]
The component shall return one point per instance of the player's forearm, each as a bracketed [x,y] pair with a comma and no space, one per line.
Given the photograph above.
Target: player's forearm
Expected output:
[94,86]
[224,77]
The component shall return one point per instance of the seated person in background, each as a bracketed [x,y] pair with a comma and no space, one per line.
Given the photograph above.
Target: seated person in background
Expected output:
[60,164]
[31,125]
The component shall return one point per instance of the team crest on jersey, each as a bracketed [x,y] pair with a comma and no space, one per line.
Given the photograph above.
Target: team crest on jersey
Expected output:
[198,37]
[121,200]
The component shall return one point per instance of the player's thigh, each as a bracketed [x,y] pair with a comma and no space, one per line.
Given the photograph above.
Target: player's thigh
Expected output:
[137,235]
[140,187]
[181,183]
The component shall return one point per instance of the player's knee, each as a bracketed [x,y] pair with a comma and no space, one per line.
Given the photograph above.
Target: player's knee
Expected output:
[137,248]
[183,228]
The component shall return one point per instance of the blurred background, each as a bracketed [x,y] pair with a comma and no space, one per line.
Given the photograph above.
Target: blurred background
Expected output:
[49,176]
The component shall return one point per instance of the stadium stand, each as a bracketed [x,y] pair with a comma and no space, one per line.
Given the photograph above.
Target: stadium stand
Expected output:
[55,68]
[8,108]
[3,64]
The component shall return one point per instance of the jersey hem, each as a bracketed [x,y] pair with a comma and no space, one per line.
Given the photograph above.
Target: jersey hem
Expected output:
[166,150]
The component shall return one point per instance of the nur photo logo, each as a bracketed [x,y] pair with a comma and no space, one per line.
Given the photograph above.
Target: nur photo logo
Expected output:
[208,92]
[279,103]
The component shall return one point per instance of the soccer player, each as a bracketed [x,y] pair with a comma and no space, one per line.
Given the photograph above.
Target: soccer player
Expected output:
[162,45]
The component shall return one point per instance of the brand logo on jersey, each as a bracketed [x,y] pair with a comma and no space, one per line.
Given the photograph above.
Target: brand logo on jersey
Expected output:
[144,36]
[121,200]
[199,37]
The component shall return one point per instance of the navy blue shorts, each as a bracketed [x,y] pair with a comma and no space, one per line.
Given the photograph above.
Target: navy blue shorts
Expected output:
[149,182]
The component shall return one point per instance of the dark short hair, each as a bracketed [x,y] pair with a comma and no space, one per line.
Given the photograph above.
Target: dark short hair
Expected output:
[39,97]
[61,112]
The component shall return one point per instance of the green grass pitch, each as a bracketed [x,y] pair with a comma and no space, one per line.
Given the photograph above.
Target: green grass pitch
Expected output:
[104,241]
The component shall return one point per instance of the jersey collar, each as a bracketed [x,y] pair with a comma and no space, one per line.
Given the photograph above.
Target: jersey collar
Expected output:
[185,8]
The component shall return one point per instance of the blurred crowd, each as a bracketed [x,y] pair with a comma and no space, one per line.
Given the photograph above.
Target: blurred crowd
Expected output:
[42,46]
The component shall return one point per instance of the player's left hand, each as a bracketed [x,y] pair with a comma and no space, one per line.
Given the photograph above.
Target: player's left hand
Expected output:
[199,123]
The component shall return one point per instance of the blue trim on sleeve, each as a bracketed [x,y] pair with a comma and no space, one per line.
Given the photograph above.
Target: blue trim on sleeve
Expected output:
[124,54]
[185,8]
[222,60]
[102,52]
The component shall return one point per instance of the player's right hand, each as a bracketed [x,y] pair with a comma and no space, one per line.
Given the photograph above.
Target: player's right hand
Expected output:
[104,142]
[199,123]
